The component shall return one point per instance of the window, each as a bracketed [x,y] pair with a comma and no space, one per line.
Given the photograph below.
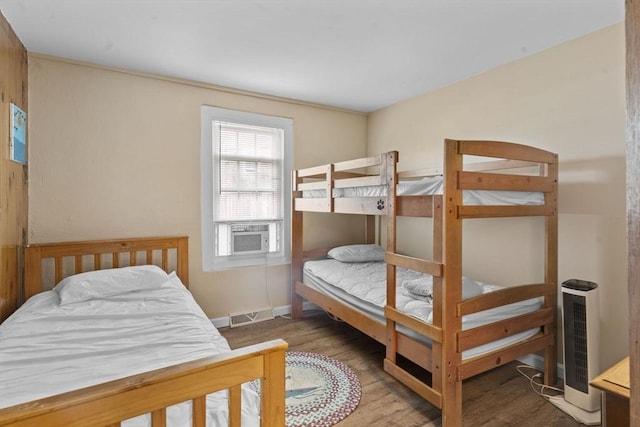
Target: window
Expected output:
[246,161]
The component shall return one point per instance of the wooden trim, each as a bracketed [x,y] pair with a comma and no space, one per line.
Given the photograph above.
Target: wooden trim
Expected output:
[504,211]
[419,326]
[504,296]
[363,181]
[505,150]
[417,264]
[427,393]
[505,182]
[632,29]
[364,162]
[475,337]
[499,357]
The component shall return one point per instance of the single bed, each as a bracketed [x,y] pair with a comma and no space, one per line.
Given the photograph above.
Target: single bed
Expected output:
[122,342]
[503,180]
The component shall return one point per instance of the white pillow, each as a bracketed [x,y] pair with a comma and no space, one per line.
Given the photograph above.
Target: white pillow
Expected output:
[357,253]
[109,282]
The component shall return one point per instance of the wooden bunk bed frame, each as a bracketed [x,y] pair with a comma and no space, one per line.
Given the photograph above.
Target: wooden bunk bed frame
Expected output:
[150,392]
[444,358]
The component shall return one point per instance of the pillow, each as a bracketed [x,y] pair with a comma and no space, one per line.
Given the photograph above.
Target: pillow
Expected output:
[470,288]
[357,253]
[423,286]
[109,282]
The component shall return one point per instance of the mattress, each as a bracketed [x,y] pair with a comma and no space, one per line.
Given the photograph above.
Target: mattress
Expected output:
[433,185]
[47,348]
[363,286]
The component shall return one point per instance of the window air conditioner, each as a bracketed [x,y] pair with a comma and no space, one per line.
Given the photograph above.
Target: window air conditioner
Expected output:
[249,239]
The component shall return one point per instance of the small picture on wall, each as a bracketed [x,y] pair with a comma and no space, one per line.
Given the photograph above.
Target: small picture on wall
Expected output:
[18,137]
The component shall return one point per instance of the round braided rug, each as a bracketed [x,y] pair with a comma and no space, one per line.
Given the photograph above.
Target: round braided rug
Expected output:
[320,391]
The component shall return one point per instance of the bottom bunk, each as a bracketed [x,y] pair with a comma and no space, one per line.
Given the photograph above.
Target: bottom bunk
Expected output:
[130,346]
[355,292]
[363,287]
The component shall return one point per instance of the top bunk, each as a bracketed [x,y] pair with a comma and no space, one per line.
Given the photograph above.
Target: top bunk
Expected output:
[482,178]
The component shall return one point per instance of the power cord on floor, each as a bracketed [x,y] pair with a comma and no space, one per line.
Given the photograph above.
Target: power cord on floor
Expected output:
[558,400]
[538,387]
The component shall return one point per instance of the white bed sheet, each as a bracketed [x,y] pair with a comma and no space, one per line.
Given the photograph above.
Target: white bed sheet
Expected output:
[363,286]
[433,185]
[47,349]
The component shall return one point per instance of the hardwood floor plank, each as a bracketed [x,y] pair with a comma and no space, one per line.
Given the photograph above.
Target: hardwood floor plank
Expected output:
[501,397]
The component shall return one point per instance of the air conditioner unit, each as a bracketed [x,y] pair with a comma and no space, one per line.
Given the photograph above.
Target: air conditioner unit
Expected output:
[580,321]
[249,239]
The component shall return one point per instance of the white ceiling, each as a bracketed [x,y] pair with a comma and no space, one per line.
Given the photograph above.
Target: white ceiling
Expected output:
[355,54]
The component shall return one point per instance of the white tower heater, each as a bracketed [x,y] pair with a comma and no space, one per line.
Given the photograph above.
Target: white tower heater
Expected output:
[580,320]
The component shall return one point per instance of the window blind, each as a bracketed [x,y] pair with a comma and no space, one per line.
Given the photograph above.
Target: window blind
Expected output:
[250,173]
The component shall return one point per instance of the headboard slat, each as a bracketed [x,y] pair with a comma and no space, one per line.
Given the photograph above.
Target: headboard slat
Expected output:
[78,264]
[58,269]
[165,258]
[35,254]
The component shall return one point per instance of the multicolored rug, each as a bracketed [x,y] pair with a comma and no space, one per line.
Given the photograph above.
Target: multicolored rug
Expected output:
[320,391]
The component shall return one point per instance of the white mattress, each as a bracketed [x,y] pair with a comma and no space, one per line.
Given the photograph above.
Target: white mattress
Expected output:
[47,348]
[363,286]
[434,185]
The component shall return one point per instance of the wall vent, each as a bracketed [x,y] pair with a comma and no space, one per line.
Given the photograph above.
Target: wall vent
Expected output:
[247,317]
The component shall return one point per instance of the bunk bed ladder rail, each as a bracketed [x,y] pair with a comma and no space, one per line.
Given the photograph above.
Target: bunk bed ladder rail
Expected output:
[433,392]
[434,332]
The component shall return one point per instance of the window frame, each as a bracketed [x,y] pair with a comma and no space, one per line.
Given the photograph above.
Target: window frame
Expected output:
[210,261]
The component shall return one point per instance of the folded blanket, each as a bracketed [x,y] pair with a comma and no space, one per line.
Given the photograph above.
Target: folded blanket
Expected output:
[422,288]
[425,298]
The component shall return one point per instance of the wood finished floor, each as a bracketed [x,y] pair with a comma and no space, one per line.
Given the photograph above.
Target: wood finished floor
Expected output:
[501,397]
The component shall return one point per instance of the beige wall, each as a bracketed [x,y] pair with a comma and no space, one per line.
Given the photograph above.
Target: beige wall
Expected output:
[115,154]
[570,100]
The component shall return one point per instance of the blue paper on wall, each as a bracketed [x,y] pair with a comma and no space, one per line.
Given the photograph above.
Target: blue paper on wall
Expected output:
[18,140]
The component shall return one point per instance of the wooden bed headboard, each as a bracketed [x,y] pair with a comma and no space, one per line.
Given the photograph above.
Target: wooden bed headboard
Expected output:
[76,257]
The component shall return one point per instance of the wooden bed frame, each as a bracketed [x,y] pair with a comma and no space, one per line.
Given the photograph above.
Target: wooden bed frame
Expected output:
[444,358]
[150,392]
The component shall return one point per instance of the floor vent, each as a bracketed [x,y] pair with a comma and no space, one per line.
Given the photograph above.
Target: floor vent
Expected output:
[246,317]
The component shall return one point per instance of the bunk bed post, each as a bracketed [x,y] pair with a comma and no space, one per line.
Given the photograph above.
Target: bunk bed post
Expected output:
[436,347]
[296,248]
[452,287]
[388,171]
[551,272]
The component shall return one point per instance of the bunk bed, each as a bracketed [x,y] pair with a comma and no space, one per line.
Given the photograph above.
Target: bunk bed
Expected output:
[518,180]
[120,341]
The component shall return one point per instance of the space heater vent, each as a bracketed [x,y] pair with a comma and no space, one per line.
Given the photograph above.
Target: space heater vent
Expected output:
[580,321]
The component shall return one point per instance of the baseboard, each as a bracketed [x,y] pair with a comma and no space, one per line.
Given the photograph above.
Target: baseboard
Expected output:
[537,362]
[285,310]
